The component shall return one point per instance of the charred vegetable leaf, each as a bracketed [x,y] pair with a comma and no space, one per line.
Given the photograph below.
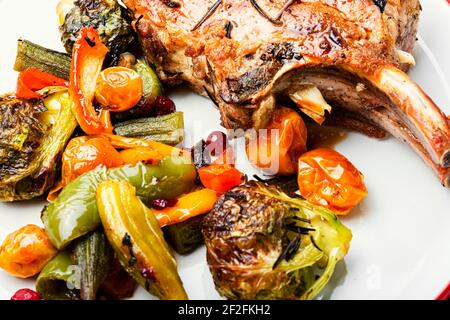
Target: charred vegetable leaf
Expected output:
[185,236]
[93,255]
[107,17]
[74,213]
[59,280]
[33,135]
[135,235]
[270,249]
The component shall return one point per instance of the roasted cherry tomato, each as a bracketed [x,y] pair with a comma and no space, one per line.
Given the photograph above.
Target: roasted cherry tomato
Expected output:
[25,252]
[118,89]
[277,149]
[84,154]
[327,178]
[220,177]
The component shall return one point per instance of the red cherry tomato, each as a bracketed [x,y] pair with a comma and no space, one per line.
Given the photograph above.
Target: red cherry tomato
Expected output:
[327,178]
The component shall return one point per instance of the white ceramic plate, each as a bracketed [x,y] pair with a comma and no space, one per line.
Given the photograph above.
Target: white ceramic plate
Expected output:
[401,244]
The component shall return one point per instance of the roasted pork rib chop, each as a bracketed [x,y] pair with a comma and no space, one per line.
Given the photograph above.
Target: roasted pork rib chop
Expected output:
[248,54]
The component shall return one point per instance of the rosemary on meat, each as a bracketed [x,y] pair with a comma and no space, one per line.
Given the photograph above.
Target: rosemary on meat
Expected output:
[275,20]
[171,4]
[228,29]
[286,6]
[208,14]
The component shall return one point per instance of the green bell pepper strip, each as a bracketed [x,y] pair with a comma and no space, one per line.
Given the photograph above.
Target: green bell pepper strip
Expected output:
[58,280]
[74,212]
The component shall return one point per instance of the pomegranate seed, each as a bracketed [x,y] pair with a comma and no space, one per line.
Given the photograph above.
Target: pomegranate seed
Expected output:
[149,274]
[160,204]
[216,143]
[26,294]
[164,106]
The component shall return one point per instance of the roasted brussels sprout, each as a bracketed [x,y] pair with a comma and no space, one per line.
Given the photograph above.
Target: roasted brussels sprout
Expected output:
[107,17]
[263,244]
[33,134]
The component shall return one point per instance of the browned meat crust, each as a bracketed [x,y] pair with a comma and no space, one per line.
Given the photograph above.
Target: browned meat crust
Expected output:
[247,54]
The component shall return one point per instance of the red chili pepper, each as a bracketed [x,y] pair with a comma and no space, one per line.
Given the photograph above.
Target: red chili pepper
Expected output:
[87,61]
[33,79]
[220,177]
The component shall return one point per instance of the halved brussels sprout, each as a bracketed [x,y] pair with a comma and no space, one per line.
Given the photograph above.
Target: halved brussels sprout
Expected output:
[33,134]
[108,17]
[263,244]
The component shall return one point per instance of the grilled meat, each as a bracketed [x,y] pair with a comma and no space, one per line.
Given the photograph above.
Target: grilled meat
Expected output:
[245,55]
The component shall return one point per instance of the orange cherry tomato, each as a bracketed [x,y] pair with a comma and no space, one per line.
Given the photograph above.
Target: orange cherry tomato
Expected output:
[327,178]
[118,89]
[277,152]
[220,177]
[84,154]
[25,252]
